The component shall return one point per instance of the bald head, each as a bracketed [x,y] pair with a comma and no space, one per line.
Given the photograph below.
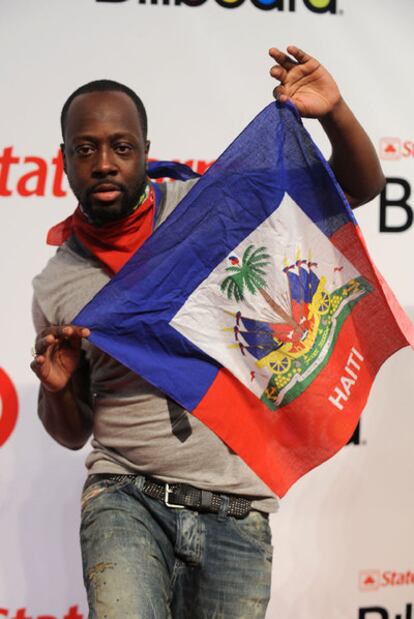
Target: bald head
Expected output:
[98,86]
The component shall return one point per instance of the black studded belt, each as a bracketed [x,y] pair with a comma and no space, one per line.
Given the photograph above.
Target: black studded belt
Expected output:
[181,496]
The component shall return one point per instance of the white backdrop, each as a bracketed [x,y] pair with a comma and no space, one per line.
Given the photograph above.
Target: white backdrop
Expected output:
[343,537]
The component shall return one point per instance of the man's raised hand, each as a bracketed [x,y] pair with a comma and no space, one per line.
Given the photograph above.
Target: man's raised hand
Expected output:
[304,82]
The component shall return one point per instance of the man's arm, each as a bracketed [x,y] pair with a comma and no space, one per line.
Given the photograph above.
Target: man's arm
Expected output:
[305,82]
[64,397]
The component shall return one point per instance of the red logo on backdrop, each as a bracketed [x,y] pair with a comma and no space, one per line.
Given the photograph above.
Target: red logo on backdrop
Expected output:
[23,613]
[395,149]
[38,172]
[372,580]
[8,407]
[369,580]
[390,148]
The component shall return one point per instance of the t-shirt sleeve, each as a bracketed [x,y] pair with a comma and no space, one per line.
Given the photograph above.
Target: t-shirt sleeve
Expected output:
[173,192]
[39,319]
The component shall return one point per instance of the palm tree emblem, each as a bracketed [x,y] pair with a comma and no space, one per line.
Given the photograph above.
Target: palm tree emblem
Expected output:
[250,275]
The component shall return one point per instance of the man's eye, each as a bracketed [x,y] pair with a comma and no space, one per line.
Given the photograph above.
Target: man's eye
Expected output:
[123,149]
[84,150]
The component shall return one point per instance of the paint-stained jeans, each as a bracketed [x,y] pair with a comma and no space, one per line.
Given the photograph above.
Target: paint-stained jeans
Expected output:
[144,560]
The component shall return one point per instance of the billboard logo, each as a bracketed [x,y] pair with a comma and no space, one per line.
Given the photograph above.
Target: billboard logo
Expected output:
[396,214]
[390,148]
[379,612]
[316,6]
[369,580]
[8,407]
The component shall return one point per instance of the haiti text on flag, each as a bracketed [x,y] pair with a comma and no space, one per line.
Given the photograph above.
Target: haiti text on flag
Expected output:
[255,305]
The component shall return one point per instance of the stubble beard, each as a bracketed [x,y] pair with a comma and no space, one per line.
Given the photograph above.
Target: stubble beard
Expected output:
[99,215]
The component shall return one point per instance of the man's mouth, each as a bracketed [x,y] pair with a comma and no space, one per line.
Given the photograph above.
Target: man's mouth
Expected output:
[106,192]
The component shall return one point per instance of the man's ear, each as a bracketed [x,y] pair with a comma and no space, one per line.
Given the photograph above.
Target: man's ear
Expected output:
[147,147]
[62,150]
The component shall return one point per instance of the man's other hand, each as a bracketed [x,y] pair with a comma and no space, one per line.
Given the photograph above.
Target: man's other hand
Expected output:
[57,354]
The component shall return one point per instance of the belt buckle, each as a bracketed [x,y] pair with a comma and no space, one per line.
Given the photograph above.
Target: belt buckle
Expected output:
[168,490]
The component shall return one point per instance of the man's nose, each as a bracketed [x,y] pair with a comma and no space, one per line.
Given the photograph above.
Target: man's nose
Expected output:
[104,163]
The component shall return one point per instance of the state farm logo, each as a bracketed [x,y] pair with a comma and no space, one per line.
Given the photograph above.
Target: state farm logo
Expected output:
[395,148]
[390,148]
[8,407]
[372,580]
[369,580]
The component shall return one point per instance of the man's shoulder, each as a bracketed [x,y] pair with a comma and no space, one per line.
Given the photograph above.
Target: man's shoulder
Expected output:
[68,281]
[173,193]
[66,259]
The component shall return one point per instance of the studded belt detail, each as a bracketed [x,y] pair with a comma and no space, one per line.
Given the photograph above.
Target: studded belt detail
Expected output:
[182,496]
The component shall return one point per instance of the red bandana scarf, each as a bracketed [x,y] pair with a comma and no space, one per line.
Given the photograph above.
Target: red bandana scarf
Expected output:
[113,243]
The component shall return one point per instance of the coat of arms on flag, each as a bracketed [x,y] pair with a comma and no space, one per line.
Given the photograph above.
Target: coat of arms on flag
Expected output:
[255,306]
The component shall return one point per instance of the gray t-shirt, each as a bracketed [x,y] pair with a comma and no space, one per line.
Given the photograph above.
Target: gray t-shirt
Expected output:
[136,428]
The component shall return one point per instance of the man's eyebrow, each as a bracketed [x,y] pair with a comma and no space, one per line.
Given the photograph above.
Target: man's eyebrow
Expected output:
[113,136]
[124,134]
[83,136]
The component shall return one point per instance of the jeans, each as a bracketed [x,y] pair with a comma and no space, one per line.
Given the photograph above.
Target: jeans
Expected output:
[144,560]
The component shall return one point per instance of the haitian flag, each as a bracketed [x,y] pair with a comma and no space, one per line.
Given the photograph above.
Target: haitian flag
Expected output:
[255,306]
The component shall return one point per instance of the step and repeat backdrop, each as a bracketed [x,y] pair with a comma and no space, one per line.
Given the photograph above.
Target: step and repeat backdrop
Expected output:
[343,538]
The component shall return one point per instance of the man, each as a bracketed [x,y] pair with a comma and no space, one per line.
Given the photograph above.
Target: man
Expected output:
[173,522]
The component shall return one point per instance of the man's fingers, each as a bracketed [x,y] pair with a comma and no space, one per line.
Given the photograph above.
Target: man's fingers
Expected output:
[37,366]
[299,55]
[43,343]
[37,362]
[291,70]
[279,73]
[34,366]
[68,331]
[281,58]
[280,95]
[56,335]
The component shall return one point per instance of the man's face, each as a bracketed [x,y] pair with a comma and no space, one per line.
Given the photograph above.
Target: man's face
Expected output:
[105,154]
